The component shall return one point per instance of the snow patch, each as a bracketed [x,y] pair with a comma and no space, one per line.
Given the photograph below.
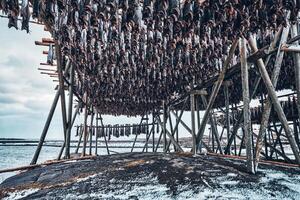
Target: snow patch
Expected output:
[20,194]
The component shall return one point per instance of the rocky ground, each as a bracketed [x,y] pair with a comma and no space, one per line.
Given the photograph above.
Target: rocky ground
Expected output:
[148,176]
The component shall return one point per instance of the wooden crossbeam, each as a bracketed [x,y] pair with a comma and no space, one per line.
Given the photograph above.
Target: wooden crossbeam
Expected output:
[47,64]
[291,48]
[50,70]
[48,40]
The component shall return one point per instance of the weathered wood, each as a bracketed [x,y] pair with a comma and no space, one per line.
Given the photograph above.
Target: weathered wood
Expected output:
[256,84]
[215,92]
[296,58]
[85,125]
[164,127]
[107,148]
[62,90]
[70,108]
[192,102]
[291,48]
[246,102]
[272,95]
[169,135]
[91,130]
[214,127]
[46,127]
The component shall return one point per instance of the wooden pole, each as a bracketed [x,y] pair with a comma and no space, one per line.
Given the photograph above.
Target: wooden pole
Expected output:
[296,58]
[46,127]
[214,127]
[175,130]
[192,100]
[79,139]
[215,92]
[246,101]
[62,88]
[172,130]
[85,125]
[226,85]
[107,148]
[274,100]
[164,127]
[188,129]
[257,81]
[136,136]
[153,135]
[97,133]
[169,134]
[91,131]
[147,133]
[68,137]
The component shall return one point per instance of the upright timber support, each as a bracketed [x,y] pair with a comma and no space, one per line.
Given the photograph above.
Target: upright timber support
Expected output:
[246,101]
[213,124]
[62,88]
[274,100]
[48,122]
[105,139]
[173,141]
[136,136]
[91,131]
[257,81]
[96,133]
[296,57]
[70,107]
[192,100]
[153,134]
[226,94]
[85,131]
[215,92]
[164,127]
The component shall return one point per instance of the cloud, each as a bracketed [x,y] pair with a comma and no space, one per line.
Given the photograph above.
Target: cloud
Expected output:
[25,94]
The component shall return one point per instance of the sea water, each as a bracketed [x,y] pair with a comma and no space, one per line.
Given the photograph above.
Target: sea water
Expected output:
[17,156]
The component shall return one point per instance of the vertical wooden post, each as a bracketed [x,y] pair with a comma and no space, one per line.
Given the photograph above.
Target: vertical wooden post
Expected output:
[257,81]
[296,58]
[164,127]
[62,88]
[85,125]
[153,135]
[214,127]
[147,132]
[136,136]
[91,130]
[79,139]
[172,130]
[246,101]
[177,129]
[270,85]
[107,148]
[192,100]
[70,107]
[96,133]
[226,85]
[279,111]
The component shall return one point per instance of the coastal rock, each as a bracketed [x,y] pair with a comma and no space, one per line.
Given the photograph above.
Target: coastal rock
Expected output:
[148,176]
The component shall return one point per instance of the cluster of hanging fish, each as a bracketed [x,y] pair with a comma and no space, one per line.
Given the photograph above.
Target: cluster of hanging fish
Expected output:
[118,130]
[131,55]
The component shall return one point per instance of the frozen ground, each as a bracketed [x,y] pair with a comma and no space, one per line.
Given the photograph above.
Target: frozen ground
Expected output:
[153,176]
